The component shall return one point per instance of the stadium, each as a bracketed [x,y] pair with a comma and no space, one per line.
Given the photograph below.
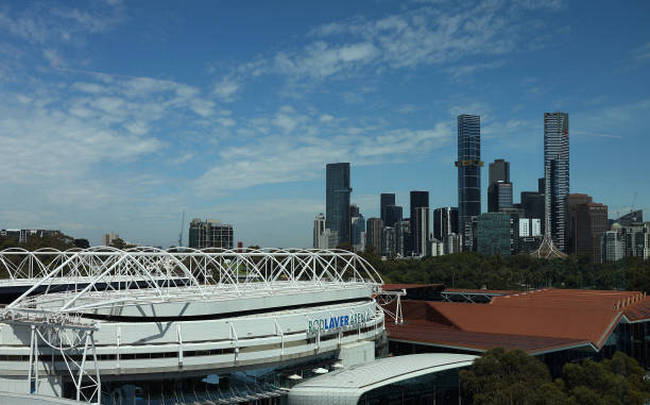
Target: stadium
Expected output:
[182,326]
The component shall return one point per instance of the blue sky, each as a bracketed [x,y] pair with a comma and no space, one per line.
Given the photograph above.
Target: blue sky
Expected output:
[117,115]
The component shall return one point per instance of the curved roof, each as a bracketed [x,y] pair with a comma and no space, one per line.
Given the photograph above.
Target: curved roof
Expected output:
[347,385]
[102,276]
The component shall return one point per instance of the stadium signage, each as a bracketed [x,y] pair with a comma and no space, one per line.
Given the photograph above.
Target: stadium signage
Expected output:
[335,323]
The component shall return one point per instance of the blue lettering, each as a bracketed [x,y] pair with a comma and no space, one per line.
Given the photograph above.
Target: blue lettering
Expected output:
[336,322]
[346,320]
[331,323]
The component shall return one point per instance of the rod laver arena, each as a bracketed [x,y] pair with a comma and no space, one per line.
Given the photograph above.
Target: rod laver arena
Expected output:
[183,326]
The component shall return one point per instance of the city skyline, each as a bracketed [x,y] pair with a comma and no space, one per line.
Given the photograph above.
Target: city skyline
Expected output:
[119,117]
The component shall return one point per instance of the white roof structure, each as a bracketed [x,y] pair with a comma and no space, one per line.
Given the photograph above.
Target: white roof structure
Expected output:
[100,279]
[346,386]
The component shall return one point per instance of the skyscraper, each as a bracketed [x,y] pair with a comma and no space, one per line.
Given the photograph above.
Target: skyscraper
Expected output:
[374,233]
[420,227]
[503,195]
[445,222]
[358,230]
[494,236]
[392,215]
[469,173]
[210,233]
[556,168]
[337,203]
[320,237]
[385,199]
[499,172]
[419,199]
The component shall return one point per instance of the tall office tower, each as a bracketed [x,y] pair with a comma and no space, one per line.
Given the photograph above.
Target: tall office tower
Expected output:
[494,236]
[499,172]
[337,204]
[556,166]
[385,199]
[320,238]
[445,222]
[503,195]
[532,203]
[358,229]
[420,234]
[374,233]
[612,246]
[392,215]
[108,238]
[402,236]
[418,199]
[388,245]
[469,173]
[210,233]
[573,201]
[354,210]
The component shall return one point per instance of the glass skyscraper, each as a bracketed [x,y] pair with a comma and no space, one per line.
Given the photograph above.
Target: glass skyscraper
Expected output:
[337,200]
[469,173]
[556,169]
[499,172]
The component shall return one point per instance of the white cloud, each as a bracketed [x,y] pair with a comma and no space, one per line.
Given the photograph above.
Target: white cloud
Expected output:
[226,89]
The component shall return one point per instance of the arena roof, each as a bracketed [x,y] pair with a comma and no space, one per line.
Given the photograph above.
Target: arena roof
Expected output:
[347,385]
[537,321]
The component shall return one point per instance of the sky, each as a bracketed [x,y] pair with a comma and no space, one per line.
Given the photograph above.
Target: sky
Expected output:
[118,116]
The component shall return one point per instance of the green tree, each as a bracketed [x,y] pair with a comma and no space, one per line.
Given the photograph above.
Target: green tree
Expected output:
[503,377]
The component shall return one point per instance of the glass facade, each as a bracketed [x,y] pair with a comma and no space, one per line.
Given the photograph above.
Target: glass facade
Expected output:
[499,172]
[442,387]
[556,167]
[261,385]
[385,199]
[494,234]
[337,200]
[445,222]
[469,171]
[419,199]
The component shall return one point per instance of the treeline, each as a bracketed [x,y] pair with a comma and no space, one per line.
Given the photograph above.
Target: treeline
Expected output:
[520,272]
[514,377]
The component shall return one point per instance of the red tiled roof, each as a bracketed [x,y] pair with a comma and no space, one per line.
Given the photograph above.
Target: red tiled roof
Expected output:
[394,287]
[441,335]
[532,321]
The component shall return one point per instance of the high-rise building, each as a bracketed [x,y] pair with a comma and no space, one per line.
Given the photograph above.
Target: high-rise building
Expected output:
[354,210]
[374,233]
[453,243]
[108,238]
[402,236]
[385,199]
[210,233]
[587,221]
[499,173]
[556,165]
[436,247]
[418,199]
[319,237]
[469,173]
[494,234]
[358,230]
[612,246]
[337,204]
[392,215]
[445,222]
[573,201]
[389,242]
[503,191]
[420,227]
[532,203]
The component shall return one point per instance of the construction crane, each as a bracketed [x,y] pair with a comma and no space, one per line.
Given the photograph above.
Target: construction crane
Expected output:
[180,234]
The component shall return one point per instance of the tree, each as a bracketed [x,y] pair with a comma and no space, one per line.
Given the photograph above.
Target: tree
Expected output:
[82,243]
[619,380]
[503,377]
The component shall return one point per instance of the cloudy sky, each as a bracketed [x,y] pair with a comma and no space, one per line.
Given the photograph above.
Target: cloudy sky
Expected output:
[118,116]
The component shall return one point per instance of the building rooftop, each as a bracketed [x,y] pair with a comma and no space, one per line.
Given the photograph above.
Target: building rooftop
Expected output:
[537,321]
[386,371]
